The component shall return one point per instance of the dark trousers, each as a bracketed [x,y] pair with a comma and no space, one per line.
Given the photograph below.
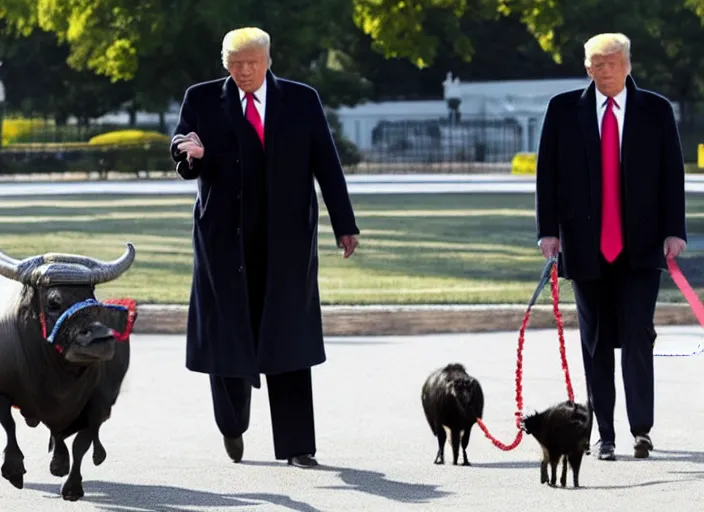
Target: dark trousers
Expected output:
[616,311]
[290,404]
[290,394]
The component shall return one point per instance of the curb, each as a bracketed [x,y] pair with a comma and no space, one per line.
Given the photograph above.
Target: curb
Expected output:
[415,320]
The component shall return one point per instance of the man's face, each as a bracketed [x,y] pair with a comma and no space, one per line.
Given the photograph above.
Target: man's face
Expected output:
[609,73]
[248,68]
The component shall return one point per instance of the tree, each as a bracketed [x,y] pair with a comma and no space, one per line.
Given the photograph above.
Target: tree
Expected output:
[39,82]
[163,46]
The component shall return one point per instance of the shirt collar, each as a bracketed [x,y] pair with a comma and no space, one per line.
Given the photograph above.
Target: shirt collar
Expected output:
[620,98]
[259,93]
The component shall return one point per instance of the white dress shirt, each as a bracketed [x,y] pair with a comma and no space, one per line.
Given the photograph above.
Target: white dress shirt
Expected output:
[259,103]
[619,112]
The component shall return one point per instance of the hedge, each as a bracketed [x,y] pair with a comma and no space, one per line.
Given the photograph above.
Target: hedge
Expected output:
[130,137]
[121,158]
[13,129]
[523,163]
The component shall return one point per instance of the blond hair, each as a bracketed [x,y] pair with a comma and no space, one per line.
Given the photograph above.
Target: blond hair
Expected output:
[607,44]
[241,39]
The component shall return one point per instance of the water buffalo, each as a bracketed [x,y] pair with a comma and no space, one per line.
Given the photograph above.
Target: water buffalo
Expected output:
[60,362]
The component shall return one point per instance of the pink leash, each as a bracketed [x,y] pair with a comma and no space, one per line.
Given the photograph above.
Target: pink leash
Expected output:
[693,300]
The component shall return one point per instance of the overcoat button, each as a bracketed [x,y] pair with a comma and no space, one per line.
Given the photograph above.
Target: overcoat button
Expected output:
[241,269]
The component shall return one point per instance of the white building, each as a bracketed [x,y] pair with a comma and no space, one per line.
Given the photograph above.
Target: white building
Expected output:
[524,101]
[499,118]
[496,120]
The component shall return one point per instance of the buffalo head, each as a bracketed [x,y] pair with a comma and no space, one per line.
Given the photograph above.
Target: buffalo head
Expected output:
[54,286]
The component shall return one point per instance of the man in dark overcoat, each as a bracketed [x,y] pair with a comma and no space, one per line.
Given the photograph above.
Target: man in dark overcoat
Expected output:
[255,143]
[610,201]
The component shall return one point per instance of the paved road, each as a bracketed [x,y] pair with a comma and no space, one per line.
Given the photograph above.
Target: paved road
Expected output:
[358,184]
[165,454]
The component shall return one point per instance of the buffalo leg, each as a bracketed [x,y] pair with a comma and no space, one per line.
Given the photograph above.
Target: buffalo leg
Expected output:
[72,489]
[99,453]
[13,465]
[60,461]
[455,439]
[465,442]
[442,438]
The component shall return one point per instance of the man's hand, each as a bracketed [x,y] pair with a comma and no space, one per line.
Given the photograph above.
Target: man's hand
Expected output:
[191,145]
[673,246]
[349,243]
[549,246]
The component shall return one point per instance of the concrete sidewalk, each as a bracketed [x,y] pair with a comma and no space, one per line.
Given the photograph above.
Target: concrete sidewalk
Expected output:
[376,451]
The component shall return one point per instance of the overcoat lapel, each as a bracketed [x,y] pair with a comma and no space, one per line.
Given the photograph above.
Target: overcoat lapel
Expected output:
[274,102]
[631,122]
[590,130]
[232,108]
[234,117]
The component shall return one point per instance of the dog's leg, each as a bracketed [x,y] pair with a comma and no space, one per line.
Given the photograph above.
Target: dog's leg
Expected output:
[465,442]
[455,439]
[576,463]
[563,477]
[442,438]
[544,467]
[554,461]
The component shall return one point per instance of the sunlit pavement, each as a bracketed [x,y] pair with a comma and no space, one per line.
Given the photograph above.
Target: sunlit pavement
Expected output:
[375,449]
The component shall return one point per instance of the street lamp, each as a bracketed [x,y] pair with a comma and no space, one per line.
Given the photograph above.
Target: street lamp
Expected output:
[453,96]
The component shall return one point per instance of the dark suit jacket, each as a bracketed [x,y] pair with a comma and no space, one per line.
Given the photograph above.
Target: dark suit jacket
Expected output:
[298,149]
[568,181]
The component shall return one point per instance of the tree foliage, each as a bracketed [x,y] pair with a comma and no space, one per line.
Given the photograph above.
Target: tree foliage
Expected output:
[39,81]
[174,43]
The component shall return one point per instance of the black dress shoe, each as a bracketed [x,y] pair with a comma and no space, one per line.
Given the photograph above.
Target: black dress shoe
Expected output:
[234,447]
[642,446]
[303,461]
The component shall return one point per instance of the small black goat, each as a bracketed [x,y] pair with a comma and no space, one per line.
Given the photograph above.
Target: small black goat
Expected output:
[452,400]
[563,432]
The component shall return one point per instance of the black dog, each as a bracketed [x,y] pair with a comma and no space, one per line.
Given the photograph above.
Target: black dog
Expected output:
[452,400]
[563,432]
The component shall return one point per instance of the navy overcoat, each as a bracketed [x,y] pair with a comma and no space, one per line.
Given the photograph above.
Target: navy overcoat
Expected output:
[298,149]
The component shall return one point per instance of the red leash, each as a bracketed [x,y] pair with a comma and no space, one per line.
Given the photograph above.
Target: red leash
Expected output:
[551,268]
[551,271]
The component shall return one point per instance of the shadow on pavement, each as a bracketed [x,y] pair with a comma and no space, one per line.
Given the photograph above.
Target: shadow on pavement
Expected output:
[522,464]
[633,486]
[669,455]
[121,497]
[376,484]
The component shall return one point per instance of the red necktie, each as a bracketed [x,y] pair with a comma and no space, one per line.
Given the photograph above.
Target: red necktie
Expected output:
[611,235]
[252,116]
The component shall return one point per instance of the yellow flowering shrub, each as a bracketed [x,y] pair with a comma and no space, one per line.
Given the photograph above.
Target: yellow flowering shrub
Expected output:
[13,129]
[523,163]
[129,137]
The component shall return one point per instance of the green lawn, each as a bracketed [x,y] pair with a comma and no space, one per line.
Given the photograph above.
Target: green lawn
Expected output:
[460,248]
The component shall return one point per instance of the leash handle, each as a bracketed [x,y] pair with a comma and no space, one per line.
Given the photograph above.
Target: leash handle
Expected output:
[544,278]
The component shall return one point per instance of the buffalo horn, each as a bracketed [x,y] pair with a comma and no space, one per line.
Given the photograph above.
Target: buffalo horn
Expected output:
[105,271]
[9,267]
